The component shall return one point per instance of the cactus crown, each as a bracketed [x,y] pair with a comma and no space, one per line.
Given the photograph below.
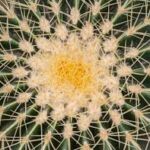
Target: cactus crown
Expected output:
[74,74]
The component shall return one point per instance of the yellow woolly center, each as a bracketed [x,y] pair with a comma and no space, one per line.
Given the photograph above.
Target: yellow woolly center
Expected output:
[73,72]
[70,73]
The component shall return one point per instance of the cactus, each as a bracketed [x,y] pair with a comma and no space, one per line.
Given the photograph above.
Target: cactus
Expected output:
[74,74]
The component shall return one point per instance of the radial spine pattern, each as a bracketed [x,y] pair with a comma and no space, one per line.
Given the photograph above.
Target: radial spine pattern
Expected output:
[74,74]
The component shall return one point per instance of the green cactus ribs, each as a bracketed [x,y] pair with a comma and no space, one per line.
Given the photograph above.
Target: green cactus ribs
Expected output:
[74,75]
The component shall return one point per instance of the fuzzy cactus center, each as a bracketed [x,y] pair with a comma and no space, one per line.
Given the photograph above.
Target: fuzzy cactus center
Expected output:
[74,72]
[69,71]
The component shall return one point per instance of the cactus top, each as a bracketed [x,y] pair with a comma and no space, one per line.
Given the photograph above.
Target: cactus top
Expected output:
[71,70]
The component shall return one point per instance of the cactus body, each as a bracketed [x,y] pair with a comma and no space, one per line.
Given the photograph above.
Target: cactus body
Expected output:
[74,75]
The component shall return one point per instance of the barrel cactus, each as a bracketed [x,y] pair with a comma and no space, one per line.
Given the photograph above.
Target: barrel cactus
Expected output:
[74,74]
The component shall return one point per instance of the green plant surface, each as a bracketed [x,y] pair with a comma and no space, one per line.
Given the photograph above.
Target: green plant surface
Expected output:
[74,74]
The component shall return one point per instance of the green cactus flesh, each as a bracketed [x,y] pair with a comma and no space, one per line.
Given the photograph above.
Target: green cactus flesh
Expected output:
[74,74]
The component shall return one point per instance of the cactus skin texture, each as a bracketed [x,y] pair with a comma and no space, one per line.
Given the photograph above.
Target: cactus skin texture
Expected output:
[74,74]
